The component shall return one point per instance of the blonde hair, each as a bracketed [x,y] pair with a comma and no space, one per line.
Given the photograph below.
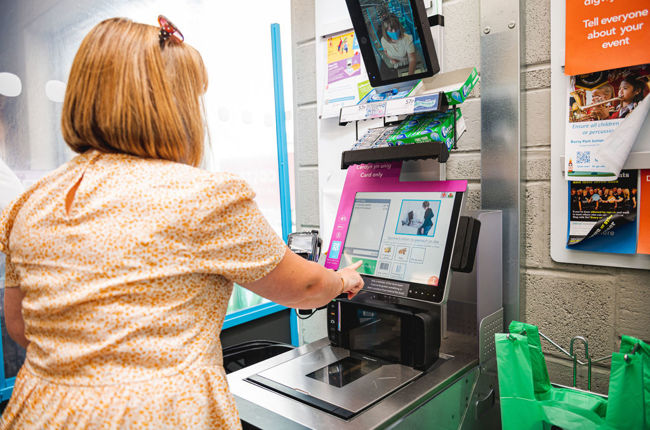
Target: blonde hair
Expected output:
[607,87]
[128,92]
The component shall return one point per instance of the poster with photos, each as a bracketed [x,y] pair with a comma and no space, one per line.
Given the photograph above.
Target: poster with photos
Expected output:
[598,103]
[603,216]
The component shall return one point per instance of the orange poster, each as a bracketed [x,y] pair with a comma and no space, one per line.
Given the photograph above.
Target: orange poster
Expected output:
[643,246]
[606,34]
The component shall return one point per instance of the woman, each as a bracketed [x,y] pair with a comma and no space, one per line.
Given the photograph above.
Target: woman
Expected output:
[398,47]
[123,259]
[628,204]
[612,200]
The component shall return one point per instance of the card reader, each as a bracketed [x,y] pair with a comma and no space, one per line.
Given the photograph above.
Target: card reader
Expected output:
[306,244]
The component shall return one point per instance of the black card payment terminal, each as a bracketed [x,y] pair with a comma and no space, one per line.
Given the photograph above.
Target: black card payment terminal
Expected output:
[306,244]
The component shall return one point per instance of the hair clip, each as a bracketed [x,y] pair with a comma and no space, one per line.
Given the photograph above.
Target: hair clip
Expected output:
[168,29]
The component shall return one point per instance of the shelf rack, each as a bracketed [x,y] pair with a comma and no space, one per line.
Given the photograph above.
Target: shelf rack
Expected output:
[415,151]
[434,102]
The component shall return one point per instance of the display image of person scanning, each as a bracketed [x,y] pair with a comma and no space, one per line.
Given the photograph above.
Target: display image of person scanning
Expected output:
[399,50]
[428,219]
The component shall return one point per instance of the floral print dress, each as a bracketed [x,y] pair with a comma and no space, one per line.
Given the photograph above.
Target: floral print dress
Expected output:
[126,287]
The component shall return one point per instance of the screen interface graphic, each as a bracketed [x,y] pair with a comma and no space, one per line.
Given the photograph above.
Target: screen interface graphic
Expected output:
[394,37]
[399,236]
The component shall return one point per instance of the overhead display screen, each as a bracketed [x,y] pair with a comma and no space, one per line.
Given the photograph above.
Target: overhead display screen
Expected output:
[395,39]
[403,237]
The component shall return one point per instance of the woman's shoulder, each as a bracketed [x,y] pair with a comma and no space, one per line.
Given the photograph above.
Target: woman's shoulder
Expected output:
[49,181]
[200,182]
[204,178]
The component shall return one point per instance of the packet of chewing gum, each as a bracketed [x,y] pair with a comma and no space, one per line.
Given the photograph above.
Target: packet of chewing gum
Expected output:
[433,127]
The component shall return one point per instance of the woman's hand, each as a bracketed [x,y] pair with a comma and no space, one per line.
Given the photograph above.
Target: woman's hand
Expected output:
[301,284]
[352,281]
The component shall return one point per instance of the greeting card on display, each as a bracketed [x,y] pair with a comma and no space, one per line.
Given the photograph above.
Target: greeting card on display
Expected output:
[344,74]
[644,213]
[603,215]
[343,57]
[606,113]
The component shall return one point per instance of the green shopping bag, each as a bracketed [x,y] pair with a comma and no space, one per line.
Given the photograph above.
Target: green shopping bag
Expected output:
[629,386]
[541,380]
[528,401]
[630,344]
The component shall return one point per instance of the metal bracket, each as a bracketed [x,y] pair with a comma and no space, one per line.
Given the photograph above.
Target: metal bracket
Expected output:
[489,325]
[501,133]
[485,404]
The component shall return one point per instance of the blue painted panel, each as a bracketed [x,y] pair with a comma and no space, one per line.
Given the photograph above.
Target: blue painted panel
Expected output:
[283,163]
[281,132]
[251,314]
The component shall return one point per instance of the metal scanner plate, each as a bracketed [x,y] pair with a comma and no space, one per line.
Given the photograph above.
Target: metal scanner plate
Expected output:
[355,395]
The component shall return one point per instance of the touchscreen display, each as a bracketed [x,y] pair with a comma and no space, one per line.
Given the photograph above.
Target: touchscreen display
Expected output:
[393,35]
[400,236]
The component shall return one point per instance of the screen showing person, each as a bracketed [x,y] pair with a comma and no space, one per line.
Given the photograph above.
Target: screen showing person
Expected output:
[401,236]
[395,40]
[394,37]
[417,217]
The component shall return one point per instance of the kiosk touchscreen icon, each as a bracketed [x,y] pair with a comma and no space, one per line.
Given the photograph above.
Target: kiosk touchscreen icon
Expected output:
[418,217]
[335,249]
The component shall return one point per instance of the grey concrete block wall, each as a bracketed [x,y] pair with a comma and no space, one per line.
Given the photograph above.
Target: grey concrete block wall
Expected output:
[303,44]
[564,300]
[599,303]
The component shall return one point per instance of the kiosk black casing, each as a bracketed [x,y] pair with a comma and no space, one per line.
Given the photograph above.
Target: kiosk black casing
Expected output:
[410,337]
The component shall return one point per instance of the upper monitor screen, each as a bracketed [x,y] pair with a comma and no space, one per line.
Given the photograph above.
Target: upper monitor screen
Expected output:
[395,40]
[403,237]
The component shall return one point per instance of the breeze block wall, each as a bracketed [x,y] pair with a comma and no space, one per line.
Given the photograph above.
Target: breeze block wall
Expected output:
[564,300]
[303,42]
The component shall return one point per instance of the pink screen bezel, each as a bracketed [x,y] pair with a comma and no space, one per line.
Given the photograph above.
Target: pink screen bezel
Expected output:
[377,177]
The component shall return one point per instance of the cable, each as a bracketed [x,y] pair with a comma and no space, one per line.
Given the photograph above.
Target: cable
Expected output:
[311,312]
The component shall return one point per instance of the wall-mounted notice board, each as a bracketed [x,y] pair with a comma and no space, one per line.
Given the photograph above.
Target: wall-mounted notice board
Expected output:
[628,244]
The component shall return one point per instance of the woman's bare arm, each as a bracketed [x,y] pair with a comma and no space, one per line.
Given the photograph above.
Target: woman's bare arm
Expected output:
[298,283]
[14,315]
[412,62]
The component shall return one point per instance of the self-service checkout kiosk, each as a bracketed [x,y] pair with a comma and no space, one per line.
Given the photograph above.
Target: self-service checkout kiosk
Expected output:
[415,348]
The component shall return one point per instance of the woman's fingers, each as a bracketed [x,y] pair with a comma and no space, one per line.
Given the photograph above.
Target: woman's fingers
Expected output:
[352,281]
[355,266]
